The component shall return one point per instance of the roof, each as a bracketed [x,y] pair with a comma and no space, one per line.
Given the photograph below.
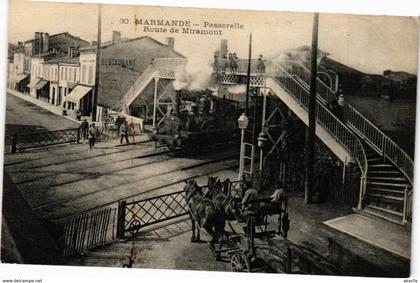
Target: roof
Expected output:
[58,34]
[338,67]
[64,60]
[110,43]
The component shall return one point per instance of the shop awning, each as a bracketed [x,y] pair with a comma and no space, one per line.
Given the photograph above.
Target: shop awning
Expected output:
[19,78]
[34,83]
[77,93]
[41,84]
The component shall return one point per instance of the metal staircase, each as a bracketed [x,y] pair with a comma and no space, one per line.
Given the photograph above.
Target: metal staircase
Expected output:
[160,68]
[389,174]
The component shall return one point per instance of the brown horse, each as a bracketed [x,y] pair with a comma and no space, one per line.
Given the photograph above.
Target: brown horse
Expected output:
[203,211]
[226,205]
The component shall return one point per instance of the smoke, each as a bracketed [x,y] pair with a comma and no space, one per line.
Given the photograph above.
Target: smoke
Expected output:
[196,75]
[237,89]
[301,55]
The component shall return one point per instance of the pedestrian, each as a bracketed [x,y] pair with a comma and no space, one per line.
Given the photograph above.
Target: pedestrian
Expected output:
[235,60]
[231,63]
[84,127]
[124,132]
[92,136]
[132,130]
[337,106]
[261,64]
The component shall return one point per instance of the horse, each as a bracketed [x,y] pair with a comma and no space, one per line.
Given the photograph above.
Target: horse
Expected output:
[226,205]
[202,210]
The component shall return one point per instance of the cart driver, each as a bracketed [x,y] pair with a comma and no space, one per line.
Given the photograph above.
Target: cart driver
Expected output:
[250,195]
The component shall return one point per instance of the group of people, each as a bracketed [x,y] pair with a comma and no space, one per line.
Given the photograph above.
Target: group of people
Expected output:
[90,132]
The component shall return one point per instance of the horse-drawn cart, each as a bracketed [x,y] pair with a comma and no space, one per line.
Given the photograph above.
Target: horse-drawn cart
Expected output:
[257,239]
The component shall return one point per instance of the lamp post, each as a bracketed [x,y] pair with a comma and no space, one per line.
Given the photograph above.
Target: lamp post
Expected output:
[243,124]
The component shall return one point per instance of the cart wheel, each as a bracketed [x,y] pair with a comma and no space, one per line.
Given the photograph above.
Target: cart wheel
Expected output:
[171,147]
[239,263]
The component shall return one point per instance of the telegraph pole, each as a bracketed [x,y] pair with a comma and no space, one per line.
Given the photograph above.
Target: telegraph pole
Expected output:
[310,130]
[98,45]
[248,74]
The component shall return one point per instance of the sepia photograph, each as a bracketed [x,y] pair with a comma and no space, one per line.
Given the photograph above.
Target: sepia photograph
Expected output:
[203,139]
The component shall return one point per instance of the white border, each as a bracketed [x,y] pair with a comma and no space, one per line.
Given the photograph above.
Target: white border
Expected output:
[82,274]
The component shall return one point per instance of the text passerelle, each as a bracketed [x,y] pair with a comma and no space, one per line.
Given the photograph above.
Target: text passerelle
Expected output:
[186,26]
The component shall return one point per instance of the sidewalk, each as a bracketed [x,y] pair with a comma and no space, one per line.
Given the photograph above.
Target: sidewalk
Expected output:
[52,108]
[27,234]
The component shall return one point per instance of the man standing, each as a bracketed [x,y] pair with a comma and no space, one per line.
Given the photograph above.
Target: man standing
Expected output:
[132,130]
[124,132]
[84,127]
[261,64]
[92,136]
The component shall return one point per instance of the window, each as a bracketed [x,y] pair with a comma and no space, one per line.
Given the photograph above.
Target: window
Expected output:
[84,74]
[62,73]
[90,75]
[65,73]
[74,74]
[55,74]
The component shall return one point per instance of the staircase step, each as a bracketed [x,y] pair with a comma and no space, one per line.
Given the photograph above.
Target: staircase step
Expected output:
[386,190]
[387,184]
[395,179]
[382,215]
[384,210]
[381,172]
[380,196]
[382,165]
[374,160]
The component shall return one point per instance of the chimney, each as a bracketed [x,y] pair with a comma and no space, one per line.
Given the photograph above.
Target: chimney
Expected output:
[70,52]
[177,101]
[116,36]
[223,47]
[45,42]
[170,41]
[38,42]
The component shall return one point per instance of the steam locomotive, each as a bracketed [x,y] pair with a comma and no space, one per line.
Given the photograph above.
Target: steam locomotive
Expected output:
[198,119]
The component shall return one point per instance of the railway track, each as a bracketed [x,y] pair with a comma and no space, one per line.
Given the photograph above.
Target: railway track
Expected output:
[49,209]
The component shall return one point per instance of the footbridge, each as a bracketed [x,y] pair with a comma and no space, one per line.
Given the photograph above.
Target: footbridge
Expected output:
[386,182]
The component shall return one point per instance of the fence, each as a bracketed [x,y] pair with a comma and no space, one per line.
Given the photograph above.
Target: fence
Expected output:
[86,231]
[21,142]
[138,214]
[132,216]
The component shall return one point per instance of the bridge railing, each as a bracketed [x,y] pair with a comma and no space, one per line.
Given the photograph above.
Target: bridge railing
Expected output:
[327,119]
[359,123]
[225,66]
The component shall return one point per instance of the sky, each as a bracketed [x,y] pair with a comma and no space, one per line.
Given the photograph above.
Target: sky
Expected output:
[368,43]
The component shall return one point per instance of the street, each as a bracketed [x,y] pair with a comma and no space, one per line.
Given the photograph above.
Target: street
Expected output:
[24,117]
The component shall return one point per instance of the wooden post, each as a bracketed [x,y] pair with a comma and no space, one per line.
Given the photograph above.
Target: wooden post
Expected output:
[310,130]
[155,101]
[78,136]
[14,141]
[121,219]
[248,74]
[98,48]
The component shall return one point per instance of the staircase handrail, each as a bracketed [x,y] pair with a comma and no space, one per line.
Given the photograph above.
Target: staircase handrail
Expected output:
[156,65]
[120,104]
[408,205]
[327,119]
[371,133]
